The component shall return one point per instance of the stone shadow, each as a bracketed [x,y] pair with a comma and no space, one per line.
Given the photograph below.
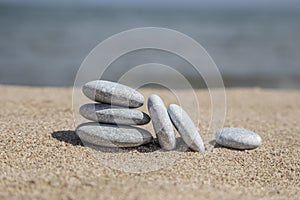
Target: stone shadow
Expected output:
[71,137]
[67,136]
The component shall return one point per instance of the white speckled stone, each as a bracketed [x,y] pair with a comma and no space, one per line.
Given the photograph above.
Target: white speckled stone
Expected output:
[113,93]
[161,122]
[186,128]
[108,135]
[106,113]
[238,138]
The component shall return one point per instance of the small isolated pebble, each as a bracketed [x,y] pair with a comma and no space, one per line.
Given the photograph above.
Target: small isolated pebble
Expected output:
[113,93]
[161,123]
[108,135]
[106,113]
[238,138]
[186,128]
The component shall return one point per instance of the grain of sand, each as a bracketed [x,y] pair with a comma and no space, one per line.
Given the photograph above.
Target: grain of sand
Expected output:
[42,158]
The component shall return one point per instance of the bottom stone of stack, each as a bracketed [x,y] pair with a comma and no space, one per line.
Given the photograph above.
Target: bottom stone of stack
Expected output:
[109,135]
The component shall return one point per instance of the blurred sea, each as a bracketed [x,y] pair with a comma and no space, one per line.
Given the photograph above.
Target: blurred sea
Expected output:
[44,46]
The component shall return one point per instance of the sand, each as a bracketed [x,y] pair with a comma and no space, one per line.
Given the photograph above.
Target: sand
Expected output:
[41,157]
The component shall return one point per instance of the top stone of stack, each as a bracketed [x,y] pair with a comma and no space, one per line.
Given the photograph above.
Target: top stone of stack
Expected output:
[113,93]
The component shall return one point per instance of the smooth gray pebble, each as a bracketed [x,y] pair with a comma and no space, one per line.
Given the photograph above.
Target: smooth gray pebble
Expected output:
[186,128]
[161,122]
[108,135]
[113,93]
[106,113]
[238,138]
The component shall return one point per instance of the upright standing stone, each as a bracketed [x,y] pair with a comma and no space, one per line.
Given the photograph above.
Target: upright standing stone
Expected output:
[186,128]
[113,93]
[161,122]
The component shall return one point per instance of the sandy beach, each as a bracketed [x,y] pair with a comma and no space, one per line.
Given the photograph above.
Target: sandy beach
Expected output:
[41,157]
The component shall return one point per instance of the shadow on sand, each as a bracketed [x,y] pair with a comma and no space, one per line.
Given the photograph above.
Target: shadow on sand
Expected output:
[71,137]
[67,136]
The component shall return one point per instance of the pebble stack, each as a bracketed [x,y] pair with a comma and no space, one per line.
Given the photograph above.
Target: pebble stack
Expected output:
[113,116]
[114,121]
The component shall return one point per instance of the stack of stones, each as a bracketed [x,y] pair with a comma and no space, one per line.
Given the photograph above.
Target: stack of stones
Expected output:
[118,120]
[113,116]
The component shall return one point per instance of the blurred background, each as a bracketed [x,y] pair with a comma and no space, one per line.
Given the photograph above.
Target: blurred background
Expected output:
[254,43]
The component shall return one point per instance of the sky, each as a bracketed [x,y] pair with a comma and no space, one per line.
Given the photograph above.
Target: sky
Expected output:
[166,3]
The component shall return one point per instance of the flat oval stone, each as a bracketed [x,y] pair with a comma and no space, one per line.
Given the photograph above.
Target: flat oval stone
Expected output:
[161,123]
[109,135]
[238,138]
[106,113]
[186,128]
[113,93]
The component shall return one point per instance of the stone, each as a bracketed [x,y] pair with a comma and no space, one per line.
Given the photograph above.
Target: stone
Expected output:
[238,138]
[186,128]
[161,123]
[109,135]
[113,93]
[106,113]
